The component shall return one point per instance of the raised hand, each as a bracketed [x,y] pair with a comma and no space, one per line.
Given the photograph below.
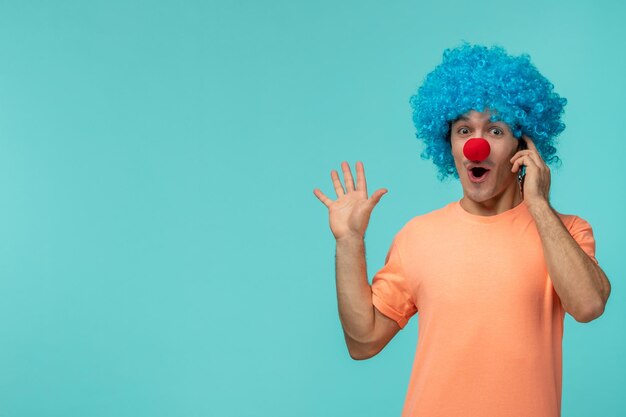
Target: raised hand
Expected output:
[350,213]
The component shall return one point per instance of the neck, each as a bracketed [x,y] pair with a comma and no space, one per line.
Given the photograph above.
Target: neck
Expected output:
[510,198]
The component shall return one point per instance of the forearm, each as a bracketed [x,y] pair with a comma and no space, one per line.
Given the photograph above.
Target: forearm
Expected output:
[354,294]
[580,283]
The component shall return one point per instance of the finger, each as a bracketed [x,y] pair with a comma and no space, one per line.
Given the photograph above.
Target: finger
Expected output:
[518,162]
[530,143]
[526,153]
[322,197]
[533,147]
[533,155]
[514,160]
[536,162]
[519,154]
[337,183]
[525,160]
[347,176]
[375,198]
[361,184]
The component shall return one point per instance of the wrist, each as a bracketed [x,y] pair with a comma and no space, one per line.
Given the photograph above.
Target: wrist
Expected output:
[349,240]
[538,206]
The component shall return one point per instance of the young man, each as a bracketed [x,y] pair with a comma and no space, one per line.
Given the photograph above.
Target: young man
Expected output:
[491,275]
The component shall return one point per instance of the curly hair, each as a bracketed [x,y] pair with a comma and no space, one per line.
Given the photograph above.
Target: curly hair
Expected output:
[474,77]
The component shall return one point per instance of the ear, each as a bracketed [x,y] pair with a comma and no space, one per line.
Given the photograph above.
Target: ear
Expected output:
[521,144]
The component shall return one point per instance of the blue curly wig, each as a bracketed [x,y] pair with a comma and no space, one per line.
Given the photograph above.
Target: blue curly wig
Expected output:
[474,77]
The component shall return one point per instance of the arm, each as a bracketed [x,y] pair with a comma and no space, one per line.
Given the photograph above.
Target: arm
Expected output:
[580,283]
[365,331]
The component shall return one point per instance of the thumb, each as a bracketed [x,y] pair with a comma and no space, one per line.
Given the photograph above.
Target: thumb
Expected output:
[375,198]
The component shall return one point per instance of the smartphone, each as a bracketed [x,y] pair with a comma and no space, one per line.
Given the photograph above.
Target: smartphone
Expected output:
[522,171]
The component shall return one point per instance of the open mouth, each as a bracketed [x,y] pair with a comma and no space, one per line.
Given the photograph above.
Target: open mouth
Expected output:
[478,174]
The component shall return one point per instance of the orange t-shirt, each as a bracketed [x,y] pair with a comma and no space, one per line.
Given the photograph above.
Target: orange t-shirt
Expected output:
[490,321]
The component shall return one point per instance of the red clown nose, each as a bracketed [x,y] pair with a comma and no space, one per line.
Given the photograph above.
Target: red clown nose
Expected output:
[476,149]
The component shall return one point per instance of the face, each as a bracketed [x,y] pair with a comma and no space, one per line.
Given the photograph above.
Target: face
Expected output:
[485,182]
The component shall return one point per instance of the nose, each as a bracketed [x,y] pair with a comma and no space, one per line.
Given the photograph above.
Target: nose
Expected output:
[476,149]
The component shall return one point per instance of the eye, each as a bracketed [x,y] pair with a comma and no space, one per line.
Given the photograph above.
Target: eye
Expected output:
[496,131]
[463,131]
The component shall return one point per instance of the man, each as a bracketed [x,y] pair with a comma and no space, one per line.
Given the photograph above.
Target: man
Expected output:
[491,275]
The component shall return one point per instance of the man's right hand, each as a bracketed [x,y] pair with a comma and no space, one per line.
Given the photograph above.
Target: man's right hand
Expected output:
[350,213]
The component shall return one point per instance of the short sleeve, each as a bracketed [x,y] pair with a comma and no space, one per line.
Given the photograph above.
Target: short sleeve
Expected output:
[391,292]
[583,235]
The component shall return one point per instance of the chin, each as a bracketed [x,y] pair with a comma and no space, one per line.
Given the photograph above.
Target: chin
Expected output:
[486,193]
[479,197]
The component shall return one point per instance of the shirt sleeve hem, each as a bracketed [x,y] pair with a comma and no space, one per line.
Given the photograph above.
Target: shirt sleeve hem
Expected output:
[388,311]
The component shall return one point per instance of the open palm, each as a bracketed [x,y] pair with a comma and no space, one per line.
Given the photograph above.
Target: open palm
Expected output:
[349,214]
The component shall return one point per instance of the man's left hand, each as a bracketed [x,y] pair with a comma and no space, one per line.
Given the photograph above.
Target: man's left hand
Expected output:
[536,183]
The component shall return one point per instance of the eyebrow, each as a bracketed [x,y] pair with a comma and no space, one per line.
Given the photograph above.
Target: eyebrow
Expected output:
[463,118]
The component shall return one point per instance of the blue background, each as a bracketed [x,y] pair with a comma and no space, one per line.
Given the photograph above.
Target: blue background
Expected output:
[161,250]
